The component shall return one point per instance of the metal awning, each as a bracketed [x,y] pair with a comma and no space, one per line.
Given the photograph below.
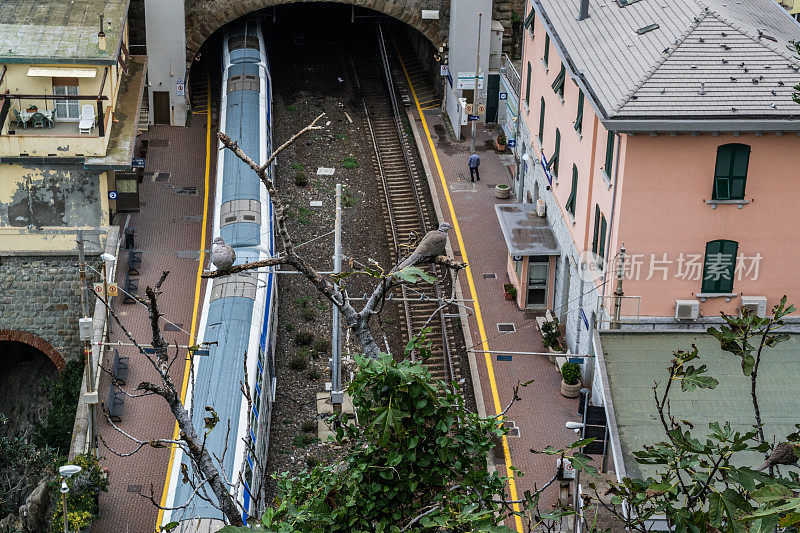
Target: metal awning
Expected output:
[57,72]
[524,231]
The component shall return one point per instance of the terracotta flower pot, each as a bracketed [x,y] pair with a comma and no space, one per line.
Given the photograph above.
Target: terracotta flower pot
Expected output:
[509,296]
[570,391]
[500,147]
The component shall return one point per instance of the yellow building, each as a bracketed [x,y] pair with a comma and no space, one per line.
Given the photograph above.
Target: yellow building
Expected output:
[70,93]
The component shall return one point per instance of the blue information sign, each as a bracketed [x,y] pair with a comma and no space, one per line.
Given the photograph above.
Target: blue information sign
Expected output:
[511,143]
[503,357]
[112,195]
[503,96]
[473,117]
[137,163]
[585,320]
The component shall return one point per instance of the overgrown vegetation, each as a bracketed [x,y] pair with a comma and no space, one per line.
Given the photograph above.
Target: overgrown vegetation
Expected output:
[84,488]
[349,163]
[55,431]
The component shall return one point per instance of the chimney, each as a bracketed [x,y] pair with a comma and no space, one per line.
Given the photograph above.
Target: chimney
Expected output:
[101,36]
[584,12]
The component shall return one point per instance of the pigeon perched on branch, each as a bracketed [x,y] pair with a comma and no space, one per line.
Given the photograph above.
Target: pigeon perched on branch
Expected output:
[432,244]
[222,255]
[784,453]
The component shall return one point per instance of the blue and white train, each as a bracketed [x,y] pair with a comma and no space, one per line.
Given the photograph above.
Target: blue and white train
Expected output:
[239,311]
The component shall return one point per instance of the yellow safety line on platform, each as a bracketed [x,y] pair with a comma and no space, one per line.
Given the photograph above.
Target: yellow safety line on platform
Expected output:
[512,486]
[198,284]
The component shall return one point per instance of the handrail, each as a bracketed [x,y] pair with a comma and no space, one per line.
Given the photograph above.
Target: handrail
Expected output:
[511,74]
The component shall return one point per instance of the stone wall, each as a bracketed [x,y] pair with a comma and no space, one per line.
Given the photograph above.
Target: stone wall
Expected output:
[41,296]
[510,14]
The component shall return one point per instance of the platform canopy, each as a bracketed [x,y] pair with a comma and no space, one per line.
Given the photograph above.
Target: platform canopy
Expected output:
[525,232]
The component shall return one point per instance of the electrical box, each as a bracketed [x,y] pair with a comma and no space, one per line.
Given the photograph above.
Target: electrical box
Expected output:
[85,329]
[91,397]
[496,46]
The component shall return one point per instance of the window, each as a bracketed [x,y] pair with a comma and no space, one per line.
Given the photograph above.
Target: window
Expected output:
[579,117]
[529,20]
[528,86]
[558,83]
[573,194]
[609,153]
[600,228]
[66,109]
[541,121]
[546,57]
[718,266]
[730,175]
[556,151]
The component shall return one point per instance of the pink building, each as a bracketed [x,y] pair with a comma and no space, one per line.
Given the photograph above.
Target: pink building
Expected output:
[670,128]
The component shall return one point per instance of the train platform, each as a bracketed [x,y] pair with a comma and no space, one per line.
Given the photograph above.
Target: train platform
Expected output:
[540,416]
[167,228]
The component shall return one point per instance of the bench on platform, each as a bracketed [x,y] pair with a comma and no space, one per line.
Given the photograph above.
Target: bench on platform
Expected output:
[114,403]
[120,368]
[131,288]
[134,262]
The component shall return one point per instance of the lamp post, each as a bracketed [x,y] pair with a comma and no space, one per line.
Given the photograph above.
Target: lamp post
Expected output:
[66,472]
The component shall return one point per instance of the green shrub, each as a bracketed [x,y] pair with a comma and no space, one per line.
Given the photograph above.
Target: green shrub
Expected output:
[291,107]
[300,179]
[551,334]
[571,373]
[289,327]
[296,166]
[314,374]
[348,200]
[308,426]
[84,487]
[303,214]
[303,440]
[311,461]
[308,313]
[298,363]
[55,431]
[349,163]
[303,338]
[341,136]
[322,345]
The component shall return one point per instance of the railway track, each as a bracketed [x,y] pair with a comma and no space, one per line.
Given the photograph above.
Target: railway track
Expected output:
[407,215]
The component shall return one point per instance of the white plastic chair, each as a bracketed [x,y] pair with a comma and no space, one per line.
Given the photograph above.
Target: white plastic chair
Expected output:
[87,119]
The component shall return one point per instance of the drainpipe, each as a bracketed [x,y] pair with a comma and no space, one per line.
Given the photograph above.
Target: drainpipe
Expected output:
[613,209]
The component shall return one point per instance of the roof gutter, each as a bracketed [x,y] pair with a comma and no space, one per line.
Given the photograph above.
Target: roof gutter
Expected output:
[721,125]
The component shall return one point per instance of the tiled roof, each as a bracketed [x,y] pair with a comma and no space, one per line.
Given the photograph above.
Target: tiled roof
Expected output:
[737,50]
[60,31]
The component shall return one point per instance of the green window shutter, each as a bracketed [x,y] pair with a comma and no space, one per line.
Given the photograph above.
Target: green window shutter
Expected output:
[541,121]
[529,20]
[546,49]
[730,172]
[609,153]
[558,83]
[601,247]
[596,228]
[528,86]
[579,118]
[556,153]
[719,265]
[573,194]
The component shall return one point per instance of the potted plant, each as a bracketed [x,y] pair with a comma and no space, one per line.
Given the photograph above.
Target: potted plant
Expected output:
[502,191]
[500,142]
[570,380]
[551,338]
[510,291]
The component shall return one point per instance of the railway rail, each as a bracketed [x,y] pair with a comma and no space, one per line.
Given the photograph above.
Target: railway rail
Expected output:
[408,217]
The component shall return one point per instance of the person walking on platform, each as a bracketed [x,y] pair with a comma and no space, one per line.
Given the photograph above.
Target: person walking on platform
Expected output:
[474,162]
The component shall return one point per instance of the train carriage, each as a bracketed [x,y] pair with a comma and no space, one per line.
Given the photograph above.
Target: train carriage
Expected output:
[239,311]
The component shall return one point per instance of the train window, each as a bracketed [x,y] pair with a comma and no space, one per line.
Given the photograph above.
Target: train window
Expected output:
[240,41]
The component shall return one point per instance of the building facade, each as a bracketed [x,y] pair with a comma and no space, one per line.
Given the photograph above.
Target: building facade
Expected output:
[70,93]
[672,132]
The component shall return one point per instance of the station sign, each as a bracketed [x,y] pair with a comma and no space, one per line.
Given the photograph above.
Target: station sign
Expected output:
[503,96]
[112,195]
[466,80]
[137,162]
[511,143]
[473,117]
[504,357]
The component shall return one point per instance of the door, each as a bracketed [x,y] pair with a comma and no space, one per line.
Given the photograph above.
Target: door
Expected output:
[160,107]
[127,192]
[538,274]
[492,97]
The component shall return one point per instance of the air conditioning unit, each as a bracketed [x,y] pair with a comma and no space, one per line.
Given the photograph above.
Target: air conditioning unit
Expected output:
[687,309]
[756,304]
[541,209]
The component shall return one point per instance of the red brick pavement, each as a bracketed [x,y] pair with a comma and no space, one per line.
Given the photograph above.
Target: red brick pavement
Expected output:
[170,221]
[542,412]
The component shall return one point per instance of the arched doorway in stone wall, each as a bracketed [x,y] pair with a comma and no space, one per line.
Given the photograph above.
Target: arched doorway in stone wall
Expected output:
[204,17]
[25,368]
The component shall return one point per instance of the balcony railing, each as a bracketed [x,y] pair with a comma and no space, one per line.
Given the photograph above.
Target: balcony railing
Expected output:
[510,72]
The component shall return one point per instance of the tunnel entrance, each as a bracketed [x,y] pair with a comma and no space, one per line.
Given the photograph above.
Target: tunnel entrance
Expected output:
[24,374]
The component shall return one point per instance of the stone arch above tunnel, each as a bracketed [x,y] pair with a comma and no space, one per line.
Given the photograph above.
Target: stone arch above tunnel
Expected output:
[37,342]
[204,17]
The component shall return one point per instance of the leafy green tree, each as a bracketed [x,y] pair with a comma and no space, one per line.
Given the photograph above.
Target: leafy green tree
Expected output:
[55,431]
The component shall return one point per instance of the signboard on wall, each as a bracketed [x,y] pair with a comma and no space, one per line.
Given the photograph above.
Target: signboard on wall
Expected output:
[180,87]
[444,70]
[466,80]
